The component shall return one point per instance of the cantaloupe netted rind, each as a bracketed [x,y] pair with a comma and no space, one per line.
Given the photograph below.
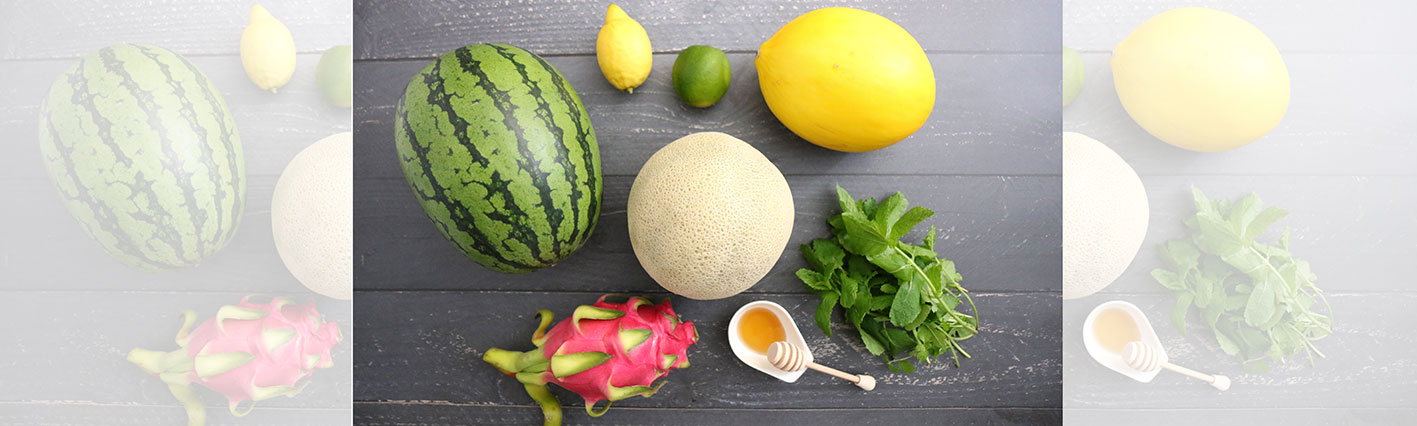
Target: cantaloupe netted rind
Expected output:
[312,216]
[1105,215]
[709,215]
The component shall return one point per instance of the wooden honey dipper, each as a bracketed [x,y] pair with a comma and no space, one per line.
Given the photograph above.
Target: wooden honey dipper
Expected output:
[790,358]
[1143,358]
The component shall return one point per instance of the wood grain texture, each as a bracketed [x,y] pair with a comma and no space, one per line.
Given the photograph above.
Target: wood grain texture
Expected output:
[426,346]
[404,29]
[1368,365]
[86,336]
[1244,416]
[1338,123]
[1363,26]
[73,28]
[405,413]
[988,162]
[1002,232]
[994,115]
[68,413]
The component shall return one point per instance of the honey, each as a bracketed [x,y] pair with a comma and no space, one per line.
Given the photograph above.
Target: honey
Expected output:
[1114,328]
[759,328]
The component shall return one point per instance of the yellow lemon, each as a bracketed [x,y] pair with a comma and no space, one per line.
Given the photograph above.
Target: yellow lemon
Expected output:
[846,79]
[623,50]
[1201,79]
[267,50]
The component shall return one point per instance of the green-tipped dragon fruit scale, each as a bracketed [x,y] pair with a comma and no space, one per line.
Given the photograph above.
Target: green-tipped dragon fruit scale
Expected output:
[249,352]
[606,352]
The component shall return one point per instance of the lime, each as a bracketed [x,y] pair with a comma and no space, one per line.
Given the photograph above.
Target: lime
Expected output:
[335,75]
[701,75]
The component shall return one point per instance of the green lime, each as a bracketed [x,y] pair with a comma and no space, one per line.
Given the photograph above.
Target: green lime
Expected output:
[335,75]
[701,75]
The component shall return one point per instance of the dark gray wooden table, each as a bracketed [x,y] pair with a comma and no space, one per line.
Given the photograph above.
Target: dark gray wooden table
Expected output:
[988,162]
[1341,162]
[65,333]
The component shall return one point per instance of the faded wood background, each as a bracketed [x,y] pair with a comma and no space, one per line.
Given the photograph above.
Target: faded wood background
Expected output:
[988,162]
[1341,162]
[66,334]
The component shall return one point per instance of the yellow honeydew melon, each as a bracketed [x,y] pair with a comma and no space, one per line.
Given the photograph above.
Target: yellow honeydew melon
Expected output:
[1201,79]
[1105,215]
[709,215]
[312,216]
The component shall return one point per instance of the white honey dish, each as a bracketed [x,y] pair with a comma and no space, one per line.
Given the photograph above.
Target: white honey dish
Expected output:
[760,361]
[1114,360]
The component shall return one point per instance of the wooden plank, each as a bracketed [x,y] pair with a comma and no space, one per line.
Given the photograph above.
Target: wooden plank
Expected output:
[426,346]
[273,127]
[67,349]
[43,244]
[993,115]
[81,413]
[1368,364]
[1249,416]
[1294,25]
[1348,228]
[404,413]
[1336,124]
[1004,234]
[410,29]
[69,29]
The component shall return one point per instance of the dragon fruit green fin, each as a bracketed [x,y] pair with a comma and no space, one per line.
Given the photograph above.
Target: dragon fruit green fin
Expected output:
[567,364]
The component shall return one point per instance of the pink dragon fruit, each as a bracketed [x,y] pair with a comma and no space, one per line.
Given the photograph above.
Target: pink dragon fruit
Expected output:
[249,352]
[606,352]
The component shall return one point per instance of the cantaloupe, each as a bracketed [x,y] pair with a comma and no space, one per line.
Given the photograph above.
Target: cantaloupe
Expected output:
[709,215]
[1105,215]
[312,216]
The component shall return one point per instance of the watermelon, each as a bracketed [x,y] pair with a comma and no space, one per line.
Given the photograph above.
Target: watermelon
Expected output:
[501,155]
[145,156]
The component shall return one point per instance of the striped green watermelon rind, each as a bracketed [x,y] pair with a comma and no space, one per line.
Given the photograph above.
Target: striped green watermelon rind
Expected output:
[500,152]
[145,155]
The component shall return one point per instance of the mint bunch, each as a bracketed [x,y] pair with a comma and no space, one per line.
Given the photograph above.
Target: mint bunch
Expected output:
[901,297]
[1257,299]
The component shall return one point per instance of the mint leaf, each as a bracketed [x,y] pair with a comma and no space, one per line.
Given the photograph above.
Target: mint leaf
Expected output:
[907,303]
[1263,221]
[1178,312]
[815,280]
[889,211]
[848,291]
[905,223]
[824,313]
[1261,304]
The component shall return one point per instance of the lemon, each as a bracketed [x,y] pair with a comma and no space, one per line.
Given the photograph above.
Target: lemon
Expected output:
[267,50]
[623,50]
[701,75]
[1201,79]
[335,75]
[846,79]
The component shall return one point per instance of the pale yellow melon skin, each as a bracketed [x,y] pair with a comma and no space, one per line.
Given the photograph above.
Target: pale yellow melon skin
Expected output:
[709,215]
[312,216]
[1201,79]
[1105,215]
